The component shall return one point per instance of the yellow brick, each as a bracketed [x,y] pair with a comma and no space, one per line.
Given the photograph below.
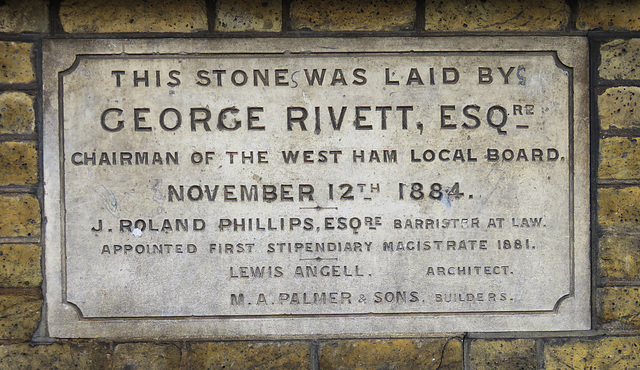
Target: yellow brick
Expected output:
[619,59]
[16,113]
[503,354]
[19,316]
[249,355]
[608,15]
[20,265]
[17,16]
[619,207]
[18,163]
[20,215]
[15,63]
[99,16]
[607,353]
[248,15]
[619,307]
[620,257]
[349,15]
[619,158]
[496,15]
[392,354]
[619,108]
[146,356]
[67,355]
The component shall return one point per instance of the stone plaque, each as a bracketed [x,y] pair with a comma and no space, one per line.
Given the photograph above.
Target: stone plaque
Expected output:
[332,187]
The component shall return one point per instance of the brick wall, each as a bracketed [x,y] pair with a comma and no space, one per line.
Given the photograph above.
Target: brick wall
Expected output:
[613,30]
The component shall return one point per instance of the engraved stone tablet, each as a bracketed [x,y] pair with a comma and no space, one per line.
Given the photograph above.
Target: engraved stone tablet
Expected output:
[355,187]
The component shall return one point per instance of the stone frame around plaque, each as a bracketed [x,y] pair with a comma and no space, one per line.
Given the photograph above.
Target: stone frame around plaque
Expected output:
[571,312]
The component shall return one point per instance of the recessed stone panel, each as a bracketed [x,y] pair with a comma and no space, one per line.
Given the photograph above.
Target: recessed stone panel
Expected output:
[234,188]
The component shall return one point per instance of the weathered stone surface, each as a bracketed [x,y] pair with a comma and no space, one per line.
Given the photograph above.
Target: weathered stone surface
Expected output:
[249,355]
[619,207]
[496,15]
[68,355]
[619,59]
[20,265]
[146,356]
[502,193]
[607,353]
[249,15]
[15,62]
[619,307]
[618,108]
[609,15]
[620,256]
[16,113]
[18,163]
[17,16]
[19,316]
[619,158]
[100,16]
[503,354]
[345,15]
[392,354]
[20,215]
